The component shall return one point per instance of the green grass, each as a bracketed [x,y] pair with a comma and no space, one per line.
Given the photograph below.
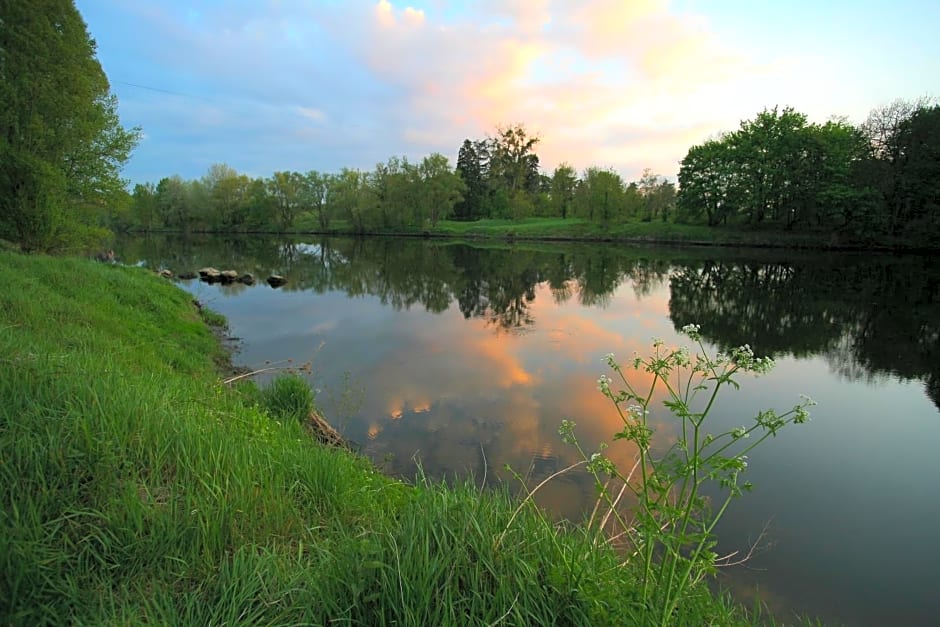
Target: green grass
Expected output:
[664,232]
[137,488]
[579,229]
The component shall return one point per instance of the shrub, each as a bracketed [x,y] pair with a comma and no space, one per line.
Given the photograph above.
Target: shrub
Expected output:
[289,397]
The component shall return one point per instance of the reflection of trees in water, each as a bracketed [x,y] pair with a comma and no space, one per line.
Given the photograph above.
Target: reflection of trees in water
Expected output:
[494,284]
[497,285]
[755,303]
[869,317]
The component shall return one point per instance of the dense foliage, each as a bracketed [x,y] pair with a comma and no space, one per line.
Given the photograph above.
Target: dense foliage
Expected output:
[497,177]
[873,180]
[396,195]
[778,171]
[61,143]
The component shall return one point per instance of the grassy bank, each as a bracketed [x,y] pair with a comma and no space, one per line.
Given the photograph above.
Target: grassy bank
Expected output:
[578,229]
[137,488]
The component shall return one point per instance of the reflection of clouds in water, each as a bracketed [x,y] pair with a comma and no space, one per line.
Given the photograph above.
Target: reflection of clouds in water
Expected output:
[464,400]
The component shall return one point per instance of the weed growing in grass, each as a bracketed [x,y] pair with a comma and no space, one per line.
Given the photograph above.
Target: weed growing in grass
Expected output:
[289,397]
[671,530]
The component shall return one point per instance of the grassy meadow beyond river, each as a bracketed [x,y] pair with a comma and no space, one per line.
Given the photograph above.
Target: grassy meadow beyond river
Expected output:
[138,488]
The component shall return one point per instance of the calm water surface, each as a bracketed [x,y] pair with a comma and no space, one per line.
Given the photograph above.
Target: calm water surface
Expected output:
[466,359]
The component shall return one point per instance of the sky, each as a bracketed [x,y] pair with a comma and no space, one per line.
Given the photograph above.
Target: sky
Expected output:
[271,85]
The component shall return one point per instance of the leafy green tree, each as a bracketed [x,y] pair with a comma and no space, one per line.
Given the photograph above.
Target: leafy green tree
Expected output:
[171,202]
[633,202]
[514,171]
[144,208]
[260,207]
[708,183]
[778,168]
[513,162]
[396,187]
[843,196]
[227,191]
[470,167]
[286,190]
[61,144]
[564,181]
[915,200]
[600,196]
[441,188]
[658,196]
[769,151]
[317,185]
[345,198]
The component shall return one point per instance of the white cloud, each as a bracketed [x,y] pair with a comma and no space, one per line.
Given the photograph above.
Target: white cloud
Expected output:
[312,114]
[617,84]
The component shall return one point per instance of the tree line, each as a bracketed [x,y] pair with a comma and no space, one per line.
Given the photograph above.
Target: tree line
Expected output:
[62,149]
[497,177]
[879,178]
[395,195]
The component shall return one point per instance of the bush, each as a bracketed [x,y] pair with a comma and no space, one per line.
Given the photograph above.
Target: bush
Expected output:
[289,397]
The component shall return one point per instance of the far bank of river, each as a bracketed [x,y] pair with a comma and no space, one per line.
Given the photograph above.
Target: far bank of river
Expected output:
[573,230]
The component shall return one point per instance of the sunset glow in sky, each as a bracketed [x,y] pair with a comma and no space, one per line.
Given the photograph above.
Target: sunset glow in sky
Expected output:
[300,84]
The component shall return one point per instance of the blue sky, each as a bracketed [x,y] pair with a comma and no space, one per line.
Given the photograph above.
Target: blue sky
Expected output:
[267,85]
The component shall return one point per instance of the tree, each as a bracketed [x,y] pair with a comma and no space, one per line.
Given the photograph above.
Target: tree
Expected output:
[441,188]
[917,196]
[228,194]
[600,195]
[259,205]
[345,198]
[286,191]
[513,162]
[317,187]
[170,200]
[707,183]
[514,170]
[843,193]
[658,194]
[769,152]
[564,181]
[394,186]
[884,123]
[61,144]
[470,169]
[778,168]
[144,209]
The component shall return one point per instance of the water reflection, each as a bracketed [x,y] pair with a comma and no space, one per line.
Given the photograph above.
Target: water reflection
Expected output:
[868,315]
[469,358]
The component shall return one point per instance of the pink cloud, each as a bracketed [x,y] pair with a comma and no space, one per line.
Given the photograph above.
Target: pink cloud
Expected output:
[604,83]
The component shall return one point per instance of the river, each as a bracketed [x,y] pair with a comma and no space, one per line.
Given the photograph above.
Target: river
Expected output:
[466,358]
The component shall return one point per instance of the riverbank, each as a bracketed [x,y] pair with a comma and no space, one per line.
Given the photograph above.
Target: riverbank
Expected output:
[580,230]
[139,488]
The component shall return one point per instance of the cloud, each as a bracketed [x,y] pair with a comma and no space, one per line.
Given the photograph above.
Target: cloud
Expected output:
[604,83]
[312,114]
[627,85]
